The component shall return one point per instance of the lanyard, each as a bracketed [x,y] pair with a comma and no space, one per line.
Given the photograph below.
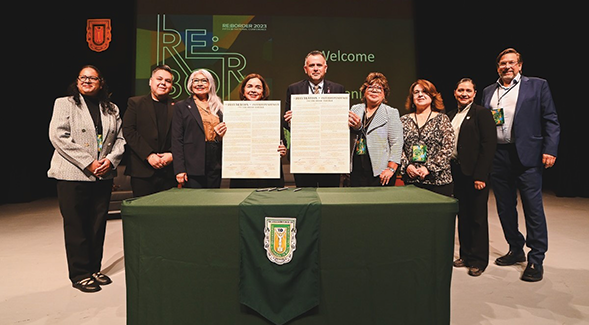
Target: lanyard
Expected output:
[367,120]
[417,123]
[499,98]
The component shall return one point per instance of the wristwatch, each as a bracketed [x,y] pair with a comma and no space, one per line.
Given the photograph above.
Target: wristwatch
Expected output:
[391,169]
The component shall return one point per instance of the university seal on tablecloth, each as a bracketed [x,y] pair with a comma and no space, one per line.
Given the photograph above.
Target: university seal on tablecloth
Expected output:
[280,239]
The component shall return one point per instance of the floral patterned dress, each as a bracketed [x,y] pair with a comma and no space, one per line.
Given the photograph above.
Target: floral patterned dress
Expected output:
[437,134]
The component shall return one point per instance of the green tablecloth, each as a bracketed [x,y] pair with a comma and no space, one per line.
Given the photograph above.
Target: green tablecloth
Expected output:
[385,257]
[280,281]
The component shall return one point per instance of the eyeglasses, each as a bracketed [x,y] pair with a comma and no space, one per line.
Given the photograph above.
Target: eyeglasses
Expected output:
[202,81]
[88,78]
[374,89]
[504,64]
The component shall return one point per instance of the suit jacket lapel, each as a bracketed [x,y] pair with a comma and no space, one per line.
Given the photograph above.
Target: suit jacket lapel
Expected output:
[150,107]
[379,119]
[305,87]
[523,89]
[193,109]
[470,116]
[452,113]
[489,95]
[170,114]
[85,113]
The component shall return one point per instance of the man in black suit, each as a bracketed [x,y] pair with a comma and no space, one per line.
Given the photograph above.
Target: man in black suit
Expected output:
[315,68]
[146,128]
[472,159]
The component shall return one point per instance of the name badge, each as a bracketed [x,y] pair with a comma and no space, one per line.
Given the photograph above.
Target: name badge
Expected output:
[419,153]
[100,141]
[361,146]
[498,116]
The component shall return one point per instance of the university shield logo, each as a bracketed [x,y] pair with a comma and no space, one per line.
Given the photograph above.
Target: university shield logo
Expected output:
[98,34]
[280,239]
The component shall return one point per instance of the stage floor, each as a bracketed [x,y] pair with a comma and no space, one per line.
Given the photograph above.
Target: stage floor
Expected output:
[34,288]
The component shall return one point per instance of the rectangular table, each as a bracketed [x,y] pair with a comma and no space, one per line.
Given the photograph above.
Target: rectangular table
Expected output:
[385,257]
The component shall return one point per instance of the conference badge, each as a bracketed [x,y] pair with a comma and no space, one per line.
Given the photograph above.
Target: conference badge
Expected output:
[280,239]
[419,153]
[361,147]
[498,116]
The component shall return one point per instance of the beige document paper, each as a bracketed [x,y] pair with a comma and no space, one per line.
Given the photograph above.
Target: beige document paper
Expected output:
[250,145]
[320,136]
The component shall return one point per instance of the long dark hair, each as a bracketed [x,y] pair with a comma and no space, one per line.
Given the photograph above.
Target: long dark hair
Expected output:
[103,95]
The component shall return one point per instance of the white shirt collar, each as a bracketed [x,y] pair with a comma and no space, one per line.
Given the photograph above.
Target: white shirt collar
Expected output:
[465,109]
[514,82]
[320,84]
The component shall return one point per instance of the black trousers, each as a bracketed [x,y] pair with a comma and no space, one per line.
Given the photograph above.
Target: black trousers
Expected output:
[212,176]
[84,208]
[160,181]
[362,174]
[473,225]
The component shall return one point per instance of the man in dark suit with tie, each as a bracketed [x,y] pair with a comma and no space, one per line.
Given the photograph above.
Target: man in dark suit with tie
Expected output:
[315,68]
[146,128]
[528,134]
[471,161]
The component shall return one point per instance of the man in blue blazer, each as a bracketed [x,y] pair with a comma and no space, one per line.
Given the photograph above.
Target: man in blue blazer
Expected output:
[528,133]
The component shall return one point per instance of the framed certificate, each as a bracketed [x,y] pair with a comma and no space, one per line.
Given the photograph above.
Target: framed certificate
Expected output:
[250,145]
[320,136]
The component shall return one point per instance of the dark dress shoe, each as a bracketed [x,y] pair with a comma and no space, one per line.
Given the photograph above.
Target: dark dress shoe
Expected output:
[533,273]
[459,263]
[87,285]
[102,279]
[475,271]
[510,258]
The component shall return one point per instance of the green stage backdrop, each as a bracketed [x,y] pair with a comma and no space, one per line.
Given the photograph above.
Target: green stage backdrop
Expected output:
[275,43]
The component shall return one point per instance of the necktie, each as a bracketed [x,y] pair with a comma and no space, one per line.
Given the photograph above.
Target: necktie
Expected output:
[315,89]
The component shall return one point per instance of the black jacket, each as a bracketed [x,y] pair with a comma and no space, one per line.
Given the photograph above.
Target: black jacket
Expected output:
[477,141]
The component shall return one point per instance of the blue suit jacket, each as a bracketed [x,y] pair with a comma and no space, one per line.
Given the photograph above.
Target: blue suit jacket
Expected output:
[535,126]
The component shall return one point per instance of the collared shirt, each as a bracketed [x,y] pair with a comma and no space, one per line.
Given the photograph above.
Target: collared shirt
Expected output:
[209,121]
[506,98]
[456,123]
[311,85]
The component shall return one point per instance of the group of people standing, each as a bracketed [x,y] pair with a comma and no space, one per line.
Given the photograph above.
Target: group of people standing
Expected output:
[507,141]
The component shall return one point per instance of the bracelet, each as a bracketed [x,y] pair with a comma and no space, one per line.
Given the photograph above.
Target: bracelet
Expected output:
[391,169]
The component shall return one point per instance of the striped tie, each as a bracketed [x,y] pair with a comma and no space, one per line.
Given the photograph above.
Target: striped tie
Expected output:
[315,89]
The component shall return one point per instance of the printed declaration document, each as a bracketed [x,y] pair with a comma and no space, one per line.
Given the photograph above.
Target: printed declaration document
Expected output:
[320,136]
[250,145]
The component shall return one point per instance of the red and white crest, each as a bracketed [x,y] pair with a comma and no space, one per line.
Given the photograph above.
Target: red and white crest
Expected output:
[98,34]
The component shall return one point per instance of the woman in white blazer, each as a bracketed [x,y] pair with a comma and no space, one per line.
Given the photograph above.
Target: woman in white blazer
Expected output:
[378,135]
[85,131]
